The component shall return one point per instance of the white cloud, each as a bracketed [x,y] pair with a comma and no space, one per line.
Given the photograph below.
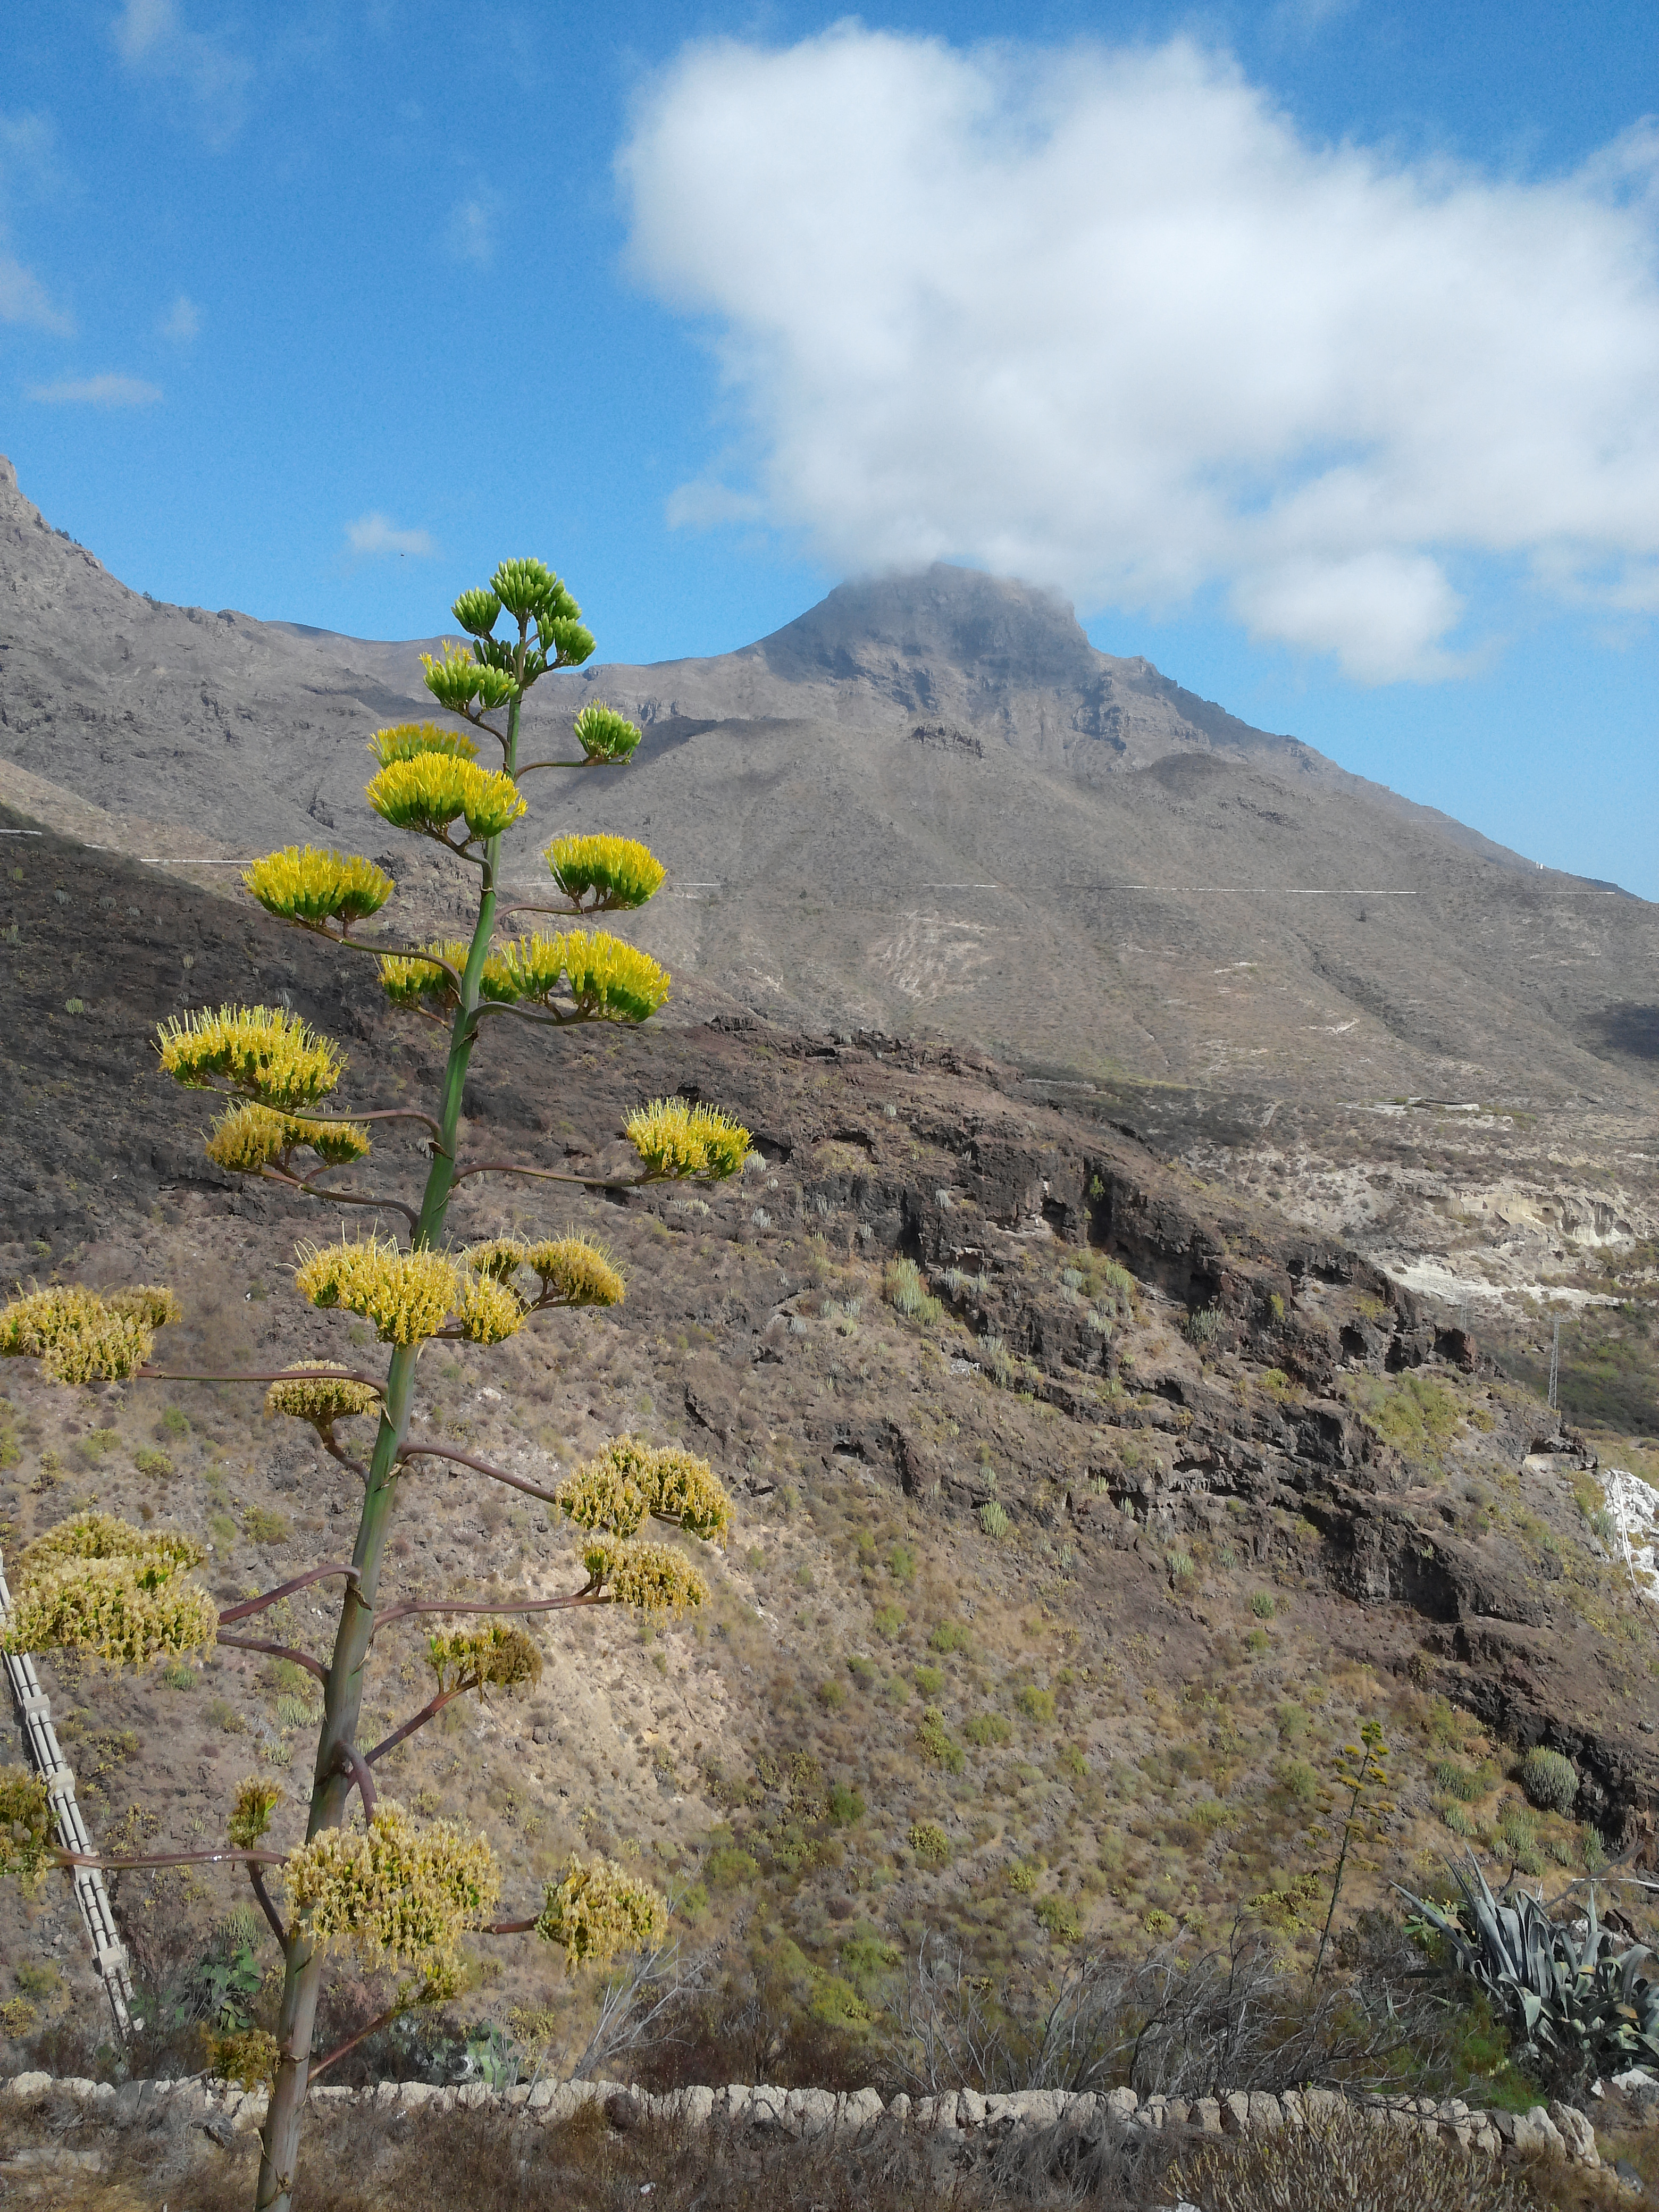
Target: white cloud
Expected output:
[25,300]
[372,536]
[28,170]
[470,232]
[1108,320]
[106,390]
[152,40]
[182,322]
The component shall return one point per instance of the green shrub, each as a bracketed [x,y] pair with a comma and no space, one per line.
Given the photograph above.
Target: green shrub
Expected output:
[1518,1837]
[890,1620]
[152,1462]
[1262,1605]
[1550,1781]
[984,1729]
[864,1672]
[261,1526]
[993,1520]
[1022,1878]
[901,1565]
[929,1680]
[1183,1572]
[804,1577]
[731,1867]
[1059,1917]
[1206,1325]
[846,1806]
[937,1743]
[831,1695]
[905,1291]
[1257,1640]
[1457,1780]
[178,1674]
[1036,1704]
[929,1842]
[949,1635]
[1459,1819]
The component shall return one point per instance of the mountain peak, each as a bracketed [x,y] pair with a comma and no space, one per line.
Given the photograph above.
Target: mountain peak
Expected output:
[1020,636]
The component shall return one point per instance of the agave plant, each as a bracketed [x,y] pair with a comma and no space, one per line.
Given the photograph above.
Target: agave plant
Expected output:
[1567,1989]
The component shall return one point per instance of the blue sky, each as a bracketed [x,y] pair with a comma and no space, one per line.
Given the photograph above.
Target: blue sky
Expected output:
[1311,348]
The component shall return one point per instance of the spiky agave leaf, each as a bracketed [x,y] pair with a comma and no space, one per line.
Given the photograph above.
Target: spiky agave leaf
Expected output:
[677,1141]
[597,1909]
[271,1055]
[406,1295]
[306,884]
[431,791]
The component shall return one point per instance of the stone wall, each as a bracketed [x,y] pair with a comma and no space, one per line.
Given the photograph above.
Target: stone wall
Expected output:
[223,2111]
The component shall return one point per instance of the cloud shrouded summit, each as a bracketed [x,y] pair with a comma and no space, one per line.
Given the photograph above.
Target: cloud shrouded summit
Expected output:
[1108,320]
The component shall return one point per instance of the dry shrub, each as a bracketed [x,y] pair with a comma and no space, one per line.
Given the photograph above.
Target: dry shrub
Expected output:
[1356,2163]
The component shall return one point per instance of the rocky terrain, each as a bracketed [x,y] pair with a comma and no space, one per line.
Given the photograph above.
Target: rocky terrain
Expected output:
[1050,1605]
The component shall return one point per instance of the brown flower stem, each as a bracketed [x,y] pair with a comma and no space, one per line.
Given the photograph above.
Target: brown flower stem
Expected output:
[352,2041]
[376,1383]
[270,1911]
[167,1859]
[480,1466]
[280,1651]
[590,1594]
[353,1762]
[553,1175]
[284,1589]
[507,1928]
[428,1711]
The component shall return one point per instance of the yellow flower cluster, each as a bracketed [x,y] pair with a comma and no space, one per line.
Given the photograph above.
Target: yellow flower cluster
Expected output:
[575,1273]
[573,1270]
[25,1826]
[487,1310]
[248,1138]
[101,1607]
[648,1576]
[405,1294]
[392,1891]
[403,741]
[306,884]
[630,1480]
[265,1051]
[154,1555]
[432,790]
[454,679]
[597,1909]
[676,1139]
[245,2055]
[256,1800]
[406,978]
[607,979]
[499,1654]
[79,1337]
[608,871]
[321,1402]
[603,734]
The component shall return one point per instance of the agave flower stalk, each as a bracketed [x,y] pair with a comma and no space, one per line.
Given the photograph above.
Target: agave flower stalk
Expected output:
[393,1892]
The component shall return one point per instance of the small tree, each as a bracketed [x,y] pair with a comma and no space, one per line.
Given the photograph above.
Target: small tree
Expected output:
[397,1894]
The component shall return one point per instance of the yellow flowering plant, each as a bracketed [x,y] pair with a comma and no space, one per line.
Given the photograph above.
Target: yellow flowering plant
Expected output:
[332,1875]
